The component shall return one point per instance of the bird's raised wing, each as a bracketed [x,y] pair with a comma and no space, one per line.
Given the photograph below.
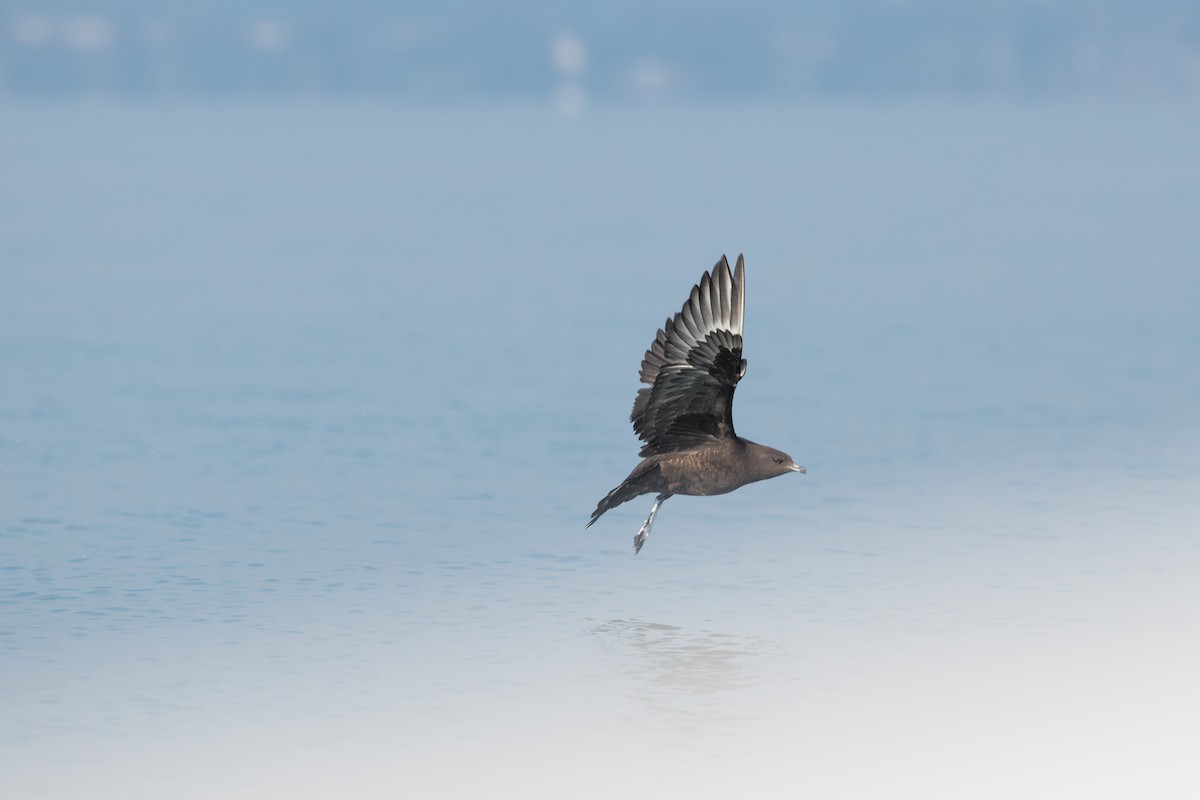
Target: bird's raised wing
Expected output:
[693,366]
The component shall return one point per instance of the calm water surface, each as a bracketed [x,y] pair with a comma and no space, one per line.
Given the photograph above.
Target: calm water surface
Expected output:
[303,408]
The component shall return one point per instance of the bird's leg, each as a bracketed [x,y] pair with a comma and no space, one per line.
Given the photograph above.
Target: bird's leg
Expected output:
[640,539]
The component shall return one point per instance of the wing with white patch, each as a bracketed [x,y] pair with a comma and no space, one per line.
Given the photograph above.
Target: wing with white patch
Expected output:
[693,367]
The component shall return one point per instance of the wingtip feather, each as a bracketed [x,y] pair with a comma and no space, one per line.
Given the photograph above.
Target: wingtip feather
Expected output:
[739,294]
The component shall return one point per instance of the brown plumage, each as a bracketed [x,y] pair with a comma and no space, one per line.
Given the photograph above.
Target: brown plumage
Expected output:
[684,414]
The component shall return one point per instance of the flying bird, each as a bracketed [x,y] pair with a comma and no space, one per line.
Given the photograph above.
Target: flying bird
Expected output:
[684,414]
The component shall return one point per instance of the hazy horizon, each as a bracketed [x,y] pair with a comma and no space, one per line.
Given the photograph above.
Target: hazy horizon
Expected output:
[580,53]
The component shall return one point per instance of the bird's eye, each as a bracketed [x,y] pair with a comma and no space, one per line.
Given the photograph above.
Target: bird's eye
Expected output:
[777,460]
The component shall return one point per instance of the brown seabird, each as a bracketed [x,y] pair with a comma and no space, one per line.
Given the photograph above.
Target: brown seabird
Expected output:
[685,413]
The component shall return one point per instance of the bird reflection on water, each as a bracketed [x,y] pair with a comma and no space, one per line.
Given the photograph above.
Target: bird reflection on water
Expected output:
[682,679]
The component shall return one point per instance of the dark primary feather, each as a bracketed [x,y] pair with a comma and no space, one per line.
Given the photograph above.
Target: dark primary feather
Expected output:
[693,367]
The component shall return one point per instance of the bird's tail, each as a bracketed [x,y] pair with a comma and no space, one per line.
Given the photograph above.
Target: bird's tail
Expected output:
[644,479]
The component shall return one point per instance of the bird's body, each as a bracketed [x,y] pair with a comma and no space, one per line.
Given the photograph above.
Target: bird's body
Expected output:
[685,413]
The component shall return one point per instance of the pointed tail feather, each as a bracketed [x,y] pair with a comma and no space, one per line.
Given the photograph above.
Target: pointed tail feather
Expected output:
[622,494]
[644,479]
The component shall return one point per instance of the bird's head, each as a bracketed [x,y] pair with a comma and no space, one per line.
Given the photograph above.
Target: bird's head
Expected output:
[770,463]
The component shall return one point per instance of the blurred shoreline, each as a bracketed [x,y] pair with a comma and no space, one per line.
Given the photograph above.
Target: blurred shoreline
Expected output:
[618,51]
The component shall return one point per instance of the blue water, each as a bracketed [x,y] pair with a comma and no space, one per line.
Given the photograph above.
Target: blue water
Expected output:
[303,407]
